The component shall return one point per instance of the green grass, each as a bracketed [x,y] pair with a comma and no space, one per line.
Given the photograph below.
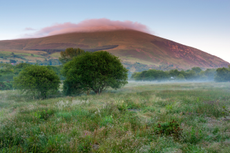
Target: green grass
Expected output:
[55,55]
[123,120]
[21,56]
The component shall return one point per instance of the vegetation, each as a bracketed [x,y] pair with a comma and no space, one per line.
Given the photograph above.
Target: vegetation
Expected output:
[6,85]
[69,54]
[47,62]
[31,57]
[140,117]
[193,117]
[223,74]
[37,80]
[8,71]
[195,73]
[95,71]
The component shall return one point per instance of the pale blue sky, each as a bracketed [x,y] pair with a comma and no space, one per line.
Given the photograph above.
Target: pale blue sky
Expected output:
[203,24]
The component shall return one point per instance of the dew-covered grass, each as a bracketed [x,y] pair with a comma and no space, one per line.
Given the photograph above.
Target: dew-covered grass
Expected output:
[123,120]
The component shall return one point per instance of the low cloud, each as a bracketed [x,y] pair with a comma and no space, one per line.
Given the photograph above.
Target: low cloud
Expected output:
[90,25]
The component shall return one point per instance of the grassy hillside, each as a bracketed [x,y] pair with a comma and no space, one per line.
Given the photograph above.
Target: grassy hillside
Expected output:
[125,120]
[131,46]
[22,55]
[30,56]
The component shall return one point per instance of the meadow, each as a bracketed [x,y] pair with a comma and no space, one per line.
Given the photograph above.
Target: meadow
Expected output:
[140,117]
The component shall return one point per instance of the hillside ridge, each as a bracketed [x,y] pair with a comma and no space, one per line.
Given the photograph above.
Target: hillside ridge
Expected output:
[131,46]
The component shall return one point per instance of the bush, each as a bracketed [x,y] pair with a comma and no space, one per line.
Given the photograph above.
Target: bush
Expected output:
[6,85]
[169,129]
[37,80]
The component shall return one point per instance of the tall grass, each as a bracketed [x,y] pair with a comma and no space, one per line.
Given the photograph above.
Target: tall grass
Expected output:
[124,120]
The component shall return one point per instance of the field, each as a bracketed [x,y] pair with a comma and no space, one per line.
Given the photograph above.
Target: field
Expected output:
[135,118]
[25,55]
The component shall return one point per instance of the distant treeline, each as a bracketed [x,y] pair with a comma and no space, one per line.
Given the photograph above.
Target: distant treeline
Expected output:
[9,71]
[48,62]
[194,74]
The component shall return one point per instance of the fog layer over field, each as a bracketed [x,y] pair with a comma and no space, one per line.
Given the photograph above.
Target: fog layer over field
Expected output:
[132,82]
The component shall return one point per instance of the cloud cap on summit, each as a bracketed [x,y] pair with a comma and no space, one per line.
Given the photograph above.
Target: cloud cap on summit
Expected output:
[90,25]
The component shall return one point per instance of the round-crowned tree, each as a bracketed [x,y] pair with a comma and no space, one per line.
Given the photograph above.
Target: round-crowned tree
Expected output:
[93,71]
[37,81]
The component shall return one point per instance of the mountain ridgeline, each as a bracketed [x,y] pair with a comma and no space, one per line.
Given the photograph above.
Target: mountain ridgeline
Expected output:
[129,45]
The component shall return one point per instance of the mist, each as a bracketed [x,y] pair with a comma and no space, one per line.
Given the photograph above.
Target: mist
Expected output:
[168,81]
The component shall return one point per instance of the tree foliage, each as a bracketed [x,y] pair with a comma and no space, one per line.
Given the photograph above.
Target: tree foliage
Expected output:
[96,71]
[195,73]
[8,71]
[222,74]
[69,53]
[5,85]
[37,80]
[197,69]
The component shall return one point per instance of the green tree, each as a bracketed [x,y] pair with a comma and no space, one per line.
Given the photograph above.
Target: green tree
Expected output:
[5,85]
[96,71]
[190,75]
[69,53]
[136,76]
[197,69]
[151,75]
[22,65]
[37,80]
[6,72]
[174,73]
[222,75]
[180,77]
[210,74]
[57,70]
[19,67]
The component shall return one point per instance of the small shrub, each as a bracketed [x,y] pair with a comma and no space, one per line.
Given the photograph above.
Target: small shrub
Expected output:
[122,106]
[6,85]
[107,120]
[43,114]
[169,129]
[169,107]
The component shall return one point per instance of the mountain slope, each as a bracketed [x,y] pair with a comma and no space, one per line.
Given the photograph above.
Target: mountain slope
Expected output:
[131,46]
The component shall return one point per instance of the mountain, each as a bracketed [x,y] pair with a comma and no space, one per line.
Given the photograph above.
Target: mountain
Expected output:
[131,46]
